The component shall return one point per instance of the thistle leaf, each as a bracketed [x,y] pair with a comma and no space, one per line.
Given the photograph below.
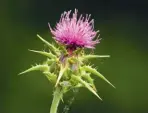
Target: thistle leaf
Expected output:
[62,70]
[51,76]
[35,68]
[50,55]
[78,85]
[86,57]
[86,85]
[50,61]
[95,72]
[89,79]
[54,49]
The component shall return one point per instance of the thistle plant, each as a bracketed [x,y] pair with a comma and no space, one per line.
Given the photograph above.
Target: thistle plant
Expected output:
[67,65]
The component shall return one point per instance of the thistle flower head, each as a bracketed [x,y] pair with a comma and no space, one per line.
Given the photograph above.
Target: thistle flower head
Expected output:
[74,31]
[66,66]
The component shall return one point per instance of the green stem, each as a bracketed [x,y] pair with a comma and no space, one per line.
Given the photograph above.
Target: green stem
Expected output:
[56,100]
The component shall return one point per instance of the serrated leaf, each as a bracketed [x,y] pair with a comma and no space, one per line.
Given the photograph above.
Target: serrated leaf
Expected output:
[54,49]
[36,68]
[78,85]
[86,85]
[50,61]
[95,72]
[50,55]
[51,76]
[89,79]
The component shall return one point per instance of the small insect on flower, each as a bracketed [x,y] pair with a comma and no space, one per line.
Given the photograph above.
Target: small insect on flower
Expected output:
[74,31]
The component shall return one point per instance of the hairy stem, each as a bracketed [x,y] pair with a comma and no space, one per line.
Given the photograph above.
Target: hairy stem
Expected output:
[56,100]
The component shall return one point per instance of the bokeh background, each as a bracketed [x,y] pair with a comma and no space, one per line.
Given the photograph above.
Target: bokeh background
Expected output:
[123,26]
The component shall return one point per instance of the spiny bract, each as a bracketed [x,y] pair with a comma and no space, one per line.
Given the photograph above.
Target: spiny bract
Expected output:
[66,70]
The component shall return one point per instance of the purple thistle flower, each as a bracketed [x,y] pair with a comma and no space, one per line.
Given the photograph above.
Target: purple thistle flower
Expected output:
[75,32]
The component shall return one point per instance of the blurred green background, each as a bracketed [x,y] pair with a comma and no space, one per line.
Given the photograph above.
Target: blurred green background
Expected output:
[123,28]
